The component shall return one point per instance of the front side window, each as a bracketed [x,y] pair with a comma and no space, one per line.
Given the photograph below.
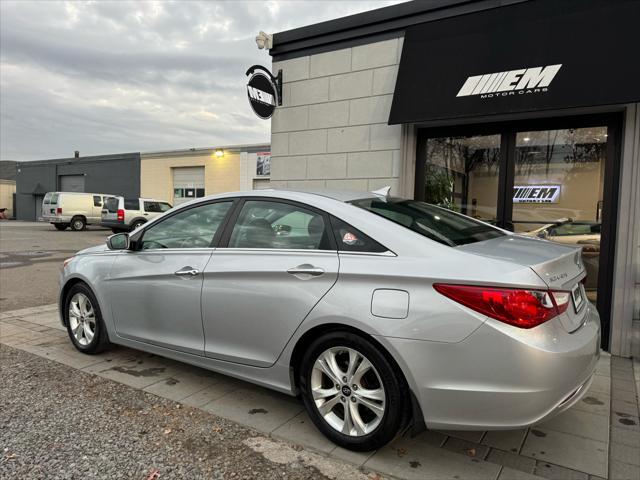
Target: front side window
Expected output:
[439,224]
[191,228]
[267,224]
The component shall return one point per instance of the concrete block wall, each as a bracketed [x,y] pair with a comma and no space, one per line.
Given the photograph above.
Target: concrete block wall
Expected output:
[331,131]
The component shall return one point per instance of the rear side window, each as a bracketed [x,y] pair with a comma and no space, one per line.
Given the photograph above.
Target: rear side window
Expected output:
[131,204]
[97,201]
[350,239]
[47,199]
[269,224]
[111,204]
[438,224]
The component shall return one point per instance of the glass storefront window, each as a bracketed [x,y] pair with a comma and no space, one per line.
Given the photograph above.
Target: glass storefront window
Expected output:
[461,174]
[558,190]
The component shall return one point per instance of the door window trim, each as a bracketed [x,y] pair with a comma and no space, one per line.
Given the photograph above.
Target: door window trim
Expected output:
[508,131]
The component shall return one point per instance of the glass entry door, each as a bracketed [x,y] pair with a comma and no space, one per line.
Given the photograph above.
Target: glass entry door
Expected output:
[558,191]
[553,179]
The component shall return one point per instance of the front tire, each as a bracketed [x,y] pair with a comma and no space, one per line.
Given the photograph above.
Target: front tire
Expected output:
[78,223]
[354,395]
[84,320]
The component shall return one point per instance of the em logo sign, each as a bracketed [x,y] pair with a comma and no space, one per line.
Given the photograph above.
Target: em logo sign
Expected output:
[512,82]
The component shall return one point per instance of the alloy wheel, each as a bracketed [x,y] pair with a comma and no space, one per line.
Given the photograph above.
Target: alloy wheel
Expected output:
[82,319]
[347,391]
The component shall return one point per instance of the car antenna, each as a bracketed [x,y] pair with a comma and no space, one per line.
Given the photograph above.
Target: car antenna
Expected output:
[383,192]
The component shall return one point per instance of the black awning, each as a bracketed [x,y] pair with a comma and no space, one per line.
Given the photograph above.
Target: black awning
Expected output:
[539,55]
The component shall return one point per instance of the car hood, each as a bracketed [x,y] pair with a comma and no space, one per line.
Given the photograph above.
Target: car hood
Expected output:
[558,265]
[90,250]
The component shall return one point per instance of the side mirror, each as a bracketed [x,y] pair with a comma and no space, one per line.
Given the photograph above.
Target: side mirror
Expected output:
[119,241]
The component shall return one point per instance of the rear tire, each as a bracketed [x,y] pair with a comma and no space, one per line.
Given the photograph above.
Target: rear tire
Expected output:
[341,369]
[78,223]
[84,322]
[136,224]
[60,226]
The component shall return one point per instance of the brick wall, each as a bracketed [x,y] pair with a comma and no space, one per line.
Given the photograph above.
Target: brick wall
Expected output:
[331,131]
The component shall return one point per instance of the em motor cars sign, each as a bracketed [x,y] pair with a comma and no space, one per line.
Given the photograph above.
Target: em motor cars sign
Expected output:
[536,193]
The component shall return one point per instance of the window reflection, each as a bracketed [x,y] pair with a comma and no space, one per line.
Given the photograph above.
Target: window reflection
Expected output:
[461,174]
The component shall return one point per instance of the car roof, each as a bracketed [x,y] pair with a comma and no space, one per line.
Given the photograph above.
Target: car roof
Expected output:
[340,195]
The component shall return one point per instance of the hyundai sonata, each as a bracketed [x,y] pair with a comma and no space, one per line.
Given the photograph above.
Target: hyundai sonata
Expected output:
[381,313]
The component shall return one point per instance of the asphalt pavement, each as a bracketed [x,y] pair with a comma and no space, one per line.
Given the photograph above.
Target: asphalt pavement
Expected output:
[31,256]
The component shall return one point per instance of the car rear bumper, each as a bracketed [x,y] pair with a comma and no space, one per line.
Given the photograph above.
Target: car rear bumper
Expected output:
[501,377]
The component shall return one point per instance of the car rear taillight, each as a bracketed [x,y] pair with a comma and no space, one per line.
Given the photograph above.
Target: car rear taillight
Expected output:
[518,307]
[120,215]
[59,211]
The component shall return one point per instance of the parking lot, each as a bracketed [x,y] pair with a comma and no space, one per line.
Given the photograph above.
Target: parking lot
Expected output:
[31,255]
[48,386]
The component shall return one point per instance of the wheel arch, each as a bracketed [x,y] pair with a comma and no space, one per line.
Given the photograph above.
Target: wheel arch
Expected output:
[414,418]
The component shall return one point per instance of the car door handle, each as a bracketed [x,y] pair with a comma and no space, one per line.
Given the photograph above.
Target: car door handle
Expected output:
[306,269]
[187,271]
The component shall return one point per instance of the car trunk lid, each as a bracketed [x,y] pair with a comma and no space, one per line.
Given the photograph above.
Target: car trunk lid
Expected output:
[559,266]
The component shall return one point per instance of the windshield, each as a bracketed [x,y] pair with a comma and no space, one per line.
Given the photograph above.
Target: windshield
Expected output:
[439,224]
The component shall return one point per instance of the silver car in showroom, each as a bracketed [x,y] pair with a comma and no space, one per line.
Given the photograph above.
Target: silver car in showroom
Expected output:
[382,314]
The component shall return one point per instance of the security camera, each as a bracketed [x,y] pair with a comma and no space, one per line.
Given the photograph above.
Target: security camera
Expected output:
[264,40]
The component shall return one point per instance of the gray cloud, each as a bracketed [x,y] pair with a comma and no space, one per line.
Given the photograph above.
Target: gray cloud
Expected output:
[116,76]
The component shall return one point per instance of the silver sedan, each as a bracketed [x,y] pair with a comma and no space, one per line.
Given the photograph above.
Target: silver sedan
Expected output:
[380,313]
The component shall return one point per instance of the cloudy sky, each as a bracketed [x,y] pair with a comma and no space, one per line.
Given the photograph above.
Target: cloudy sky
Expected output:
[117,76]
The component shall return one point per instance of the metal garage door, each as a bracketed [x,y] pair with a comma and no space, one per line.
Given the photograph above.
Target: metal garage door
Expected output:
[188,183]
[72,183]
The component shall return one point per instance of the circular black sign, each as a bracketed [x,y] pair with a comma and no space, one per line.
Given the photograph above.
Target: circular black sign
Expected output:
[346,391]
[262,95]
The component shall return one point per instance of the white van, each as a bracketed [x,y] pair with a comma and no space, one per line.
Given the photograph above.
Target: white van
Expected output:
[72,209]
[125,214]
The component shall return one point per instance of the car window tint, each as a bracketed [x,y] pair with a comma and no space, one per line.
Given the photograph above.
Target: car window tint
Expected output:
[131,204]
[438,224]
[54,198]
[151,207]
[267,224]
[191,228]
[350,239]
[97,201]
[163,206]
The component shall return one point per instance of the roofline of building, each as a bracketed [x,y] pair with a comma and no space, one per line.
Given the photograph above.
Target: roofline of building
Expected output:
[363,27]
[250,148]
[89,158]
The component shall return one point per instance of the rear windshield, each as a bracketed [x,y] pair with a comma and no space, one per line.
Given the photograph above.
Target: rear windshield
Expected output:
[111,204]
[439,224]
[54,199]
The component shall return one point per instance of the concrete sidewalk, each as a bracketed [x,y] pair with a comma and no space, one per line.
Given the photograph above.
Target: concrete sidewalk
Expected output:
[597,438]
